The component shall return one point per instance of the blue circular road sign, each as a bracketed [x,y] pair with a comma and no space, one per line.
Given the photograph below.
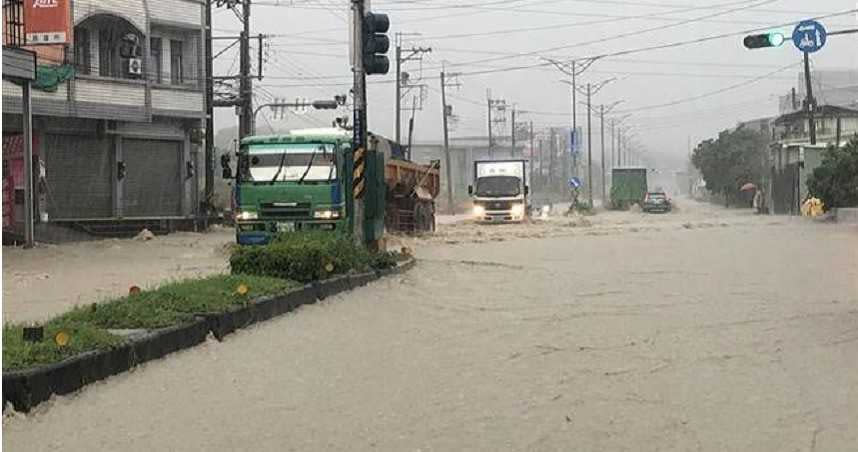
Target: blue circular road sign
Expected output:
[809,36]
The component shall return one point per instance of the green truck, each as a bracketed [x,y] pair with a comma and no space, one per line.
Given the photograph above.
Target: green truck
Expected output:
[628,186]
[302,180]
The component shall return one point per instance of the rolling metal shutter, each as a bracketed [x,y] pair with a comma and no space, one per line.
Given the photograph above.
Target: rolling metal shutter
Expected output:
[153,181]
[79,177]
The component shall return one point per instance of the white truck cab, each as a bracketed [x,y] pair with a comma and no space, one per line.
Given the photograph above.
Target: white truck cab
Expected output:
[500,191]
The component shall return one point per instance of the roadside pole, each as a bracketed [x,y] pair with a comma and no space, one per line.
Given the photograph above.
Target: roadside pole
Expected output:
[398,112]
[449,170]
[810,106]
[531,153]
[512,133]
[489,103]
[29,186]
[589,145]
[574,120]
[602,142]
[359,131]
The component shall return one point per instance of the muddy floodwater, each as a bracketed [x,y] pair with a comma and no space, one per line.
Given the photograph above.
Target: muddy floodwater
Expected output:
[704,329]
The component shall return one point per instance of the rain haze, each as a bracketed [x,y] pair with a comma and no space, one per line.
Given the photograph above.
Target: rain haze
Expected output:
[676,94]
[224,229]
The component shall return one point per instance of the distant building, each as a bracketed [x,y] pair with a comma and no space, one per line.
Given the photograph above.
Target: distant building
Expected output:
[761,125]
[119,113]
[792,158]
[830,87]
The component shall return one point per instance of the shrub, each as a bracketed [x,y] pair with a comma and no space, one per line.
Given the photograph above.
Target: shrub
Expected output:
[307,256]
[835,181]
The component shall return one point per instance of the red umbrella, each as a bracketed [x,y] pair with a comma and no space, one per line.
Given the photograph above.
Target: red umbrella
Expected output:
[748,187]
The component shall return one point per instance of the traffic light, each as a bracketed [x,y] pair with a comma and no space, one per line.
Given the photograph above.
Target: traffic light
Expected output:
[375,43]
[764,40]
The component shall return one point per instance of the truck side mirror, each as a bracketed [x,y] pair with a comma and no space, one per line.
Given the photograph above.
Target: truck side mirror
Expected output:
[470,189]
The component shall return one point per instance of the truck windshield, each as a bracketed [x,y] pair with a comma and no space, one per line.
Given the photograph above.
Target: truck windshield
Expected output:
[291,163]
[498,186]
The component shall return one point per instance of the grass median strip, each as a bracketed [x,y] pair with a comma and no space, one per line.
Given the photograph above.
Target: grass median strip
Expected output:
[169,305]
[292,259]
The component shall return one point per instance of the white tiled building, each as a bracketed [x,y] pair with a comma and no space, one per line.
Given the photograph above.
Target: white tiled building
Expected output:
[122,138]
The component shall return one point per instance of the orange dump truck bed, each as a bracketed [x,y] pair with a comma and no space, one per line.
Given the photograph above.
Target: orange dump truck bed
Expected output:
[411,191]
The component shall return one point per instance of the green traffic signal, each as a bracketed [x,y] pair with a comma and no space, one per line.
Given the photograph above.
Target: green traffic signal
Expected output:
[764,40]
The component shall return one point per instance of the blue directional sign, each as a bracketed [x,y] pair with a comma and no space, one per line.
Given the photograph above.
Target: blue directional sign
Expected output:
[575,182]
[809,36]
[574,140]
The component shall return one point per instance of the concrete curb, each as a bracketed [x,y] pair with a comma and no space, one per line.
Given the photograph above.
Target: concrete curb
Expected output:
[24,389]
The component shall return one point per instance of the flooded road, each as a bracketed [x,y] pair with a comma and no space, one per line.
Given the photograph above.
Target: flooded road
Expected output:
[704,329]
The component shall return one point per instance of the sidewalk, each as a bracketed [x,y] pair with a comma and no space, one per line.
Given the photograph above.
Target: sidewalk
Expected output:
[50,279]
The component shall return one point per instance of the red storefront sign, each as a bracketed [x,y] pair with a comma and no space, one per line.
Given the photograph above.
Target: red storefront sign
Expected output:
[47,21]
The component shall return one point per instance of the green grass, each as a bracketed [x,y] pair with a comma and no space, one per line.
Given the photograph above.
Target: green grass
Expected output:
[18,354]
[176,303]
[169,305]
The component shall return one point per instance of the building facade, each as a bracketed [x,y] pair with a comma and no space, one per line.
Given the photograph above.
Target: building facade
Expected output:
[119,116]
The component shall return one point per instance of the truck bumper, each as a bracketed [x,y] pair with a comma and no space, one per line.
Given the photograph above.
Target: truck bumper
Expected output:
[500,217]
[262,232]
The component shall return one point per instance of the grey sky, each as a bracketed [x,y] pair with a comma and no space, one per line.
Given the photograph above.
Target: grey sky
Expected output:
[309,58]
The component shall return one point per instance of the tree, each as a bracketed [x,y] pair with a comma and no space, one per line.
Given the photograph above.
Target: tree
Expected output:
[835,181]
[731,160]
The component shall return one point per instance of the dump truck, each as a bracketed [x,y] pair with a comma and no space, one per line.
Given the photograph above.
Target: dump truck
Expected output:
[628,186]
[301,181]
[500,191]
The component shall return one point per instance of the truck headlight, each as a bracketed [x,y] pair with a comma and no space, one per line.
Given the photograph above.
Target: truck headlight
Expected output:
[517,210]
[479,211]
[326,214]
[244,216]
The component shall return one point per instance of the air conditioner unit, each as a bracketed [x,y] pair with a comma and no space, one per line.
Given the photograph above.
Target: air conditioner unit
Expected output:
[135,66]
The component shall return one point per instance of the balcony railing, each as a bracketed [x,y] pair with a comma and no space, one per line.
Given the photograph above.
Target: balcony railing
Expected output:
[13,23]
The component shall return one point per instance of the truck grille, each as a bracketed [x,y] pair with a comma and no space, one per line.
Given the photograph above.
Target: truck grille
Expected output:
[284,211]
[497,205]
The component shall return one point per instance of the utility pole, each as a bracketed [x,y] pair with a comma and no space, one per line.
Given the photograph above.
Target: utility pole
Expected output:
[541,156]
[415,54]
[531,152]
[447,163]
[29,185]
[574,119]
[810,104]
[208,191]
[613,148]
[552,152]
[602,143]
[589,93]
[512,133]
[359,130]
[589,145]
[489,103]
[411,126]
[500,106]
[398,90]
[245,124]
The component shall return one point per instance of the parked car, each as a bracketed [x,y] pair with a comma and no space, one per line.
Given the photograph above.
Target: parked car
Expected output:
[656,201]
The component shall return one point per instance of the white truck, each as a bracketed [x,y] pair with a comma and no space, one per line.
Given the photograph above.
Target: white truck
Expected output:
[500,191]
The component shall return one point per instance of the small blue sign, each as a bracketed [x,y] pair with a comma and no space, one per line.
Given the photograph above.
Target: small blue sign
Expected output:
[809,36]
[575,182]
[574,140]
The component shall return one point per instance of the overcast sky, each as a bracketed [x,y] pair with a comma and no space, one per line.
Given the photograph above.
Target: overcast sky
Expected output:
[709,85]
